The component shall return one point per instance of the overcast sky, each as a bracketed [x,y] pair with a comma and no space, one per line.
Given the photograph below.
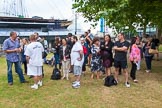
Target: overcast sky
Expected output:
[59,9]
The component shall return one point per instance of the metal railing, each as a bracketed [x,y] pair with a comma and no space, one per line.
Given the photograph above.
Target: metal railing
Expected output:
[1,50]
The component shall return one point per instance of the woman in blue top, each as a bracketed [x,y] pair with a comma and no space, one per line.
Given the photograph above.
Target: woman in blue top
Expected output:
[148,57]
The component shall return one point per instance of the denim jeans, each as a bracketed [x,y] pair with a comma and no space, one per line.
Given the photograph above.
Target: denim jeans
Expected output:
[148,60]
[17,69]
[57,60]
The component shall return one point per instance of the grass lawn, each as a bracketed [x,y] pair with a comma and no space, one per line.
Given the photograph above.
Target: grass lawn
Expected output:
[92,94]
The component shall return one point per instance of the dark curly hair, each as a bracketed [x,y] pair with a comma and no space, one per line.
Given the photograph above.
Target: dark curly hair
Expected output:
[95,40]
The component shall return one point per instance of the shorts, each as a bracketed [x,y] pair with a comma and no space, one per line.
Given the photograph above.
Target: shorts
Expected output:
[122,64]
[34,70]
[77,70]
[107,63]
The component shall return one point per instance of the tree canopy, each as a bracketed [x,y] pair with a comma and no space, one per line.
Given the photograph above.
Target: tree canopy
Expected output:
[122,13]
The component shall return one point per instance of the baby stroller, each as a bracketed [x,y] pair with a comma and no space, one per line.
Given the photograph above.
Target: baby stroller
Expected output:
[51,62]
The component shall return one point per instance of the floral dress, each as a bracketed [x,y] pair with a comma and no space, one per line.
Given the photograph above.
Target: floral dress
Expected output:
[96,64]
[135,54]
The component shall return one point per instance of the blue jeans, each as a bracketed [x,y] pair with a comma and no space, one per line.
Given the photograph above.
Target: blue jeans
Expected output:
[57,59]
[17,69]
[148,60]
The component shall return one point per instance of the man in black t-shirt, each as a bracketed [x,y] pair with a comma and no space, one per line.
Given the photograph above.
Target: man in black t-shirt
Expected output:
[120,58]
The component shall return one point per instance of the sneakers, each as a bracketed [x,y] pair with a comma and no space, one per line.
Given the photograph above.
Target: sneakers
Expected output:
[40,83]
[127,84]
[147,71]
[10,83]
[35,86]
[76,84]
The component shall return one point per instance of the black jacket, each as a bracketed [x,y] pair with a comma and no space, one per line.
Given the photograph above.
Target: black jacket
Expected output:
[67,52]
[108,49]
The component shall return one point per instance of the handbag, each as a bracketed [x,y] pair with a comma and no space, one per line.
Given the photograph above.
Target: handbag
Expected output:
[153,51]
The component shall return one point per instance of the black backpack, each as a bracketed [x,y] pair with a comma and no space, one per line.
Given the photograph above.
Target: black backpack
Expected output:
[110,81]
[44,54]
[56,75]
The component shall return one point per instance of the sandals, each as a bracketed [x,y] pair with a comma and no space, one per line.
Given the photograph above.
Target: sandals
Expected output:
[135,81]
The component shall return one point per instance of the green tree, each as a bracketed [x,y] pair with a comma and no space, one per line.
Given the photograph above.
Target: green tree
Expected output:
[122,13]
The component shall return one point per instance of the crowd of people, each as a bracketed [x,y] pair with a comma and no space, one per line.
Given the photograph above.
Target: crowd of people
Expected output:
[74,54]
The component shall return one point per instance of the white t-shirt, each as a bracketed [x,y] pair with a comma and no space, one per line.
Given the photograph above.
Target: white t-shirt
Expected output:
[34,51]
[45,44]
[91,36]
[75,54]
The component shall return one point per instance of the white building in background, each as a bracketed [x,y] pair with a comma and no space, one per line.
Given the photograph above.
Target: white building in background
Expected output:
[81,26]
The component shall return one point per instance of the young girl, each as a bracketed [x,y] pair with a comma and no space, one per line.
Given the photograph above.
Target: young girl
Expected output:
[134,57]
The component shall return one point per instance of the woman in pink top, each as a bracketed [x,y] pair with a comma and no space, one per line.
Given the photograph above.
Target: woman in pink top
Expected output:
[134,58]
